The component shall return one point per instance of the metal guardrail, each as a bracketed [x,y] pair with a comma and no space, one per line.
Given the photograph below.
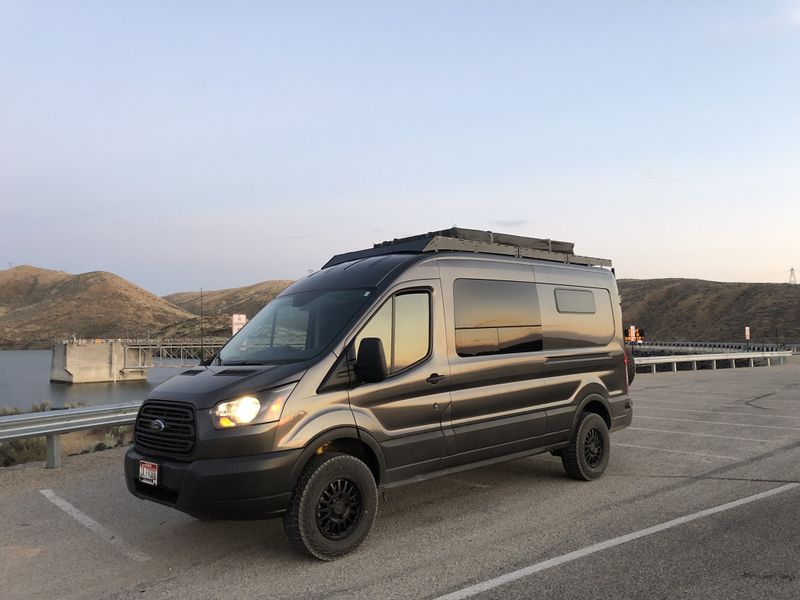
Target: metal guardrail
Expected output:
[732,357]
[52,423]
[712,347]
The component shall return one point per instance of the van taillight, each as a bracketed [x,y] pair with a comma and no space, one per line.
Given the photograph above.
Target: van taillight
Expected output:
[627,377]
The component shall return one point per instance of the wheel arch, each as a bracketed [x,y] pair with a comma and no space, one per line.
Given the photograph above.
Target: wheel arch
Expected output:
[347,440]
[594,399]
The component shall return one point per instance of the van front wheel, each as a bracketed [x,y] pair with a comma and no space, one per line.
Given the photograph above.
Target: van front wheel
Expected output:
[587,455]
[333,506]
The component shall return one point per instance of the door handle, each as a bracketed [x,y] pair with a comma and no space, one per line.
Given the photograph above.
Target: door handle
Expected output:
[434,378]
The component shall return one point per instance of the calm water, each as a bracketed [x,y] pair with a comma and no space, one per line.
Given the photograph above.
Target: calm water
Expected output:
[25,380]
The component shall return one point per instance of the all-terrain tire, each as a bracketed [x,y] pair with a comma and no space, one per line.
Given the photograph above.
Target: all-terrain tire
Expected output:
[587,455]
[333,506]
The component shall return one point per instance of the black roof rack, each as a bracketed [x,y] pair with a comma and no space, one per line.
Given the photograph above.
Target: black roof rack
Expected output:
[474,240]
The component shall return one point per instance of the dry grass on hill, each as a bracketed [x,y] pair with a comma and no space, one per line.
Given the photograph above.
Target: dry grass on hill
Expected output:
[247,300]
[693,309]
[40,306]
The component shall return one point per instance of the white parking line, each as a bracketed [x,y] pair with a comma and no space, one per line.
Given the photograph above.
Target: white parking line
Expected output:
[677,451]
[95,527]
[717,412]
[717,423]
[491,584]
[706,402]
[724,437]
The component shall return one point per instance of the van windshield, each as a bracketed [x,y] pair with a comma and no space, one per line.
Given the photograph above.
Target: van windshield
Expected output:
[294,327]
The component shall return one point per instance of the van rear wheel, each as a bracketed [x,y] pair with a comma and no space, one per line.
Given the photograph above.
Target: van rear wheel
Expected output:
[333,506]
[586,457]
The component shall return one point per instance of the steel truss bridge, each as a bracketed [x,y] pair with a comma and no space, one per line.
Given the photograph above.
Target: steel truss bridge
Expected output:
[171,353]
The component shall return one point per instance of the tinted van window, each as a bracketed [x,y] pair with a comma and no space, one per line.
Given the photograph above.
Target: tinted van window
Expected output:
[575,317]
[496,317]
[575,301]
[403,325]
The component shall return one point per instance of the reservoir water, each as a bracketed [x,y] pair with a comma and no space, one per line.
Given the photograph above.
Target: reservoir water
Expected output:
[25,380]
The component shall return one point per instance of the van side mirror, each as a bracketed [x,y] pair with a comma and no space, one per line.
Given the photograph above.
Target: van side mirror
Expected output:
[371,361]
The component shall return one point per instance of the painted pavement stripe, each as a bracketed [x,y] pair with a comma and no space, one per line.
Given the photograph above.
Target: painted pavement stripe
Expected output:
[491,584]
[95,527]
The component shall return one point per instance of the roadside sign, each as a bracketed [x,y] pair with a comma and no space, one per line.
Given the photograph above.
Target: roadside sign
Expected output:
[237,322]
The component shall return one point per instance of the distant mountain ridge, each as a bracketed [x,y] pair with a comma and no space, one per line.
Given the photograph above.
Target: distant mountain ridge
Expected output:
[246,300]
[698,310]
[219,305]
[40,306]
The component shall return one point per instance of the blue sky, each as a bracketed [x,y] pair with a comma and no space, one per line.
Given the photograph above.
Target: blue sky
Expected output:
[189,145]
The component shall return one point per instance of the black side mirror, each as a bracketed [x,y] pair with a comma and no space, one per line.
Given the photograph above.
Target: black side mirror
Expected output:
[371,361]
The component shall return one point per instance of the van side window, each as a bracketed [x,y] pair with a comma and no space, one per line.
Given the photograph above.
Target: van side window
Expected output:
[575,317]
[403,325]
[496,317]
[575,301]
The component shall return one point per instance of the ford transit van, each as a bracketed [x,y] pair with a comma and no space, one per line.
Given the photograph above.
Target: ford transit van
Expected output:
[417,358]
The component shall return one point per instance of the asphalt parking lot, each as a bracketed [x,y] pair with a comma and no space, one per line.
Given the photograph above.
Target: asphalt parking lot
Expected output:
[700,500]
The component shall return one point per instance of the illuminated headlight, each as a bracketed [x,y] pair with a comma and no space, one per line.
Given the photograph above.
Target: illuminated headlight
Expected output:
[264,407]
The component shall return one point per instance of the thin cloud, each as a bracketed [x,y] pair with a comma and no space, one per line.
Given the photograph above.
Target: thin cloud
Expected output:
[511,223]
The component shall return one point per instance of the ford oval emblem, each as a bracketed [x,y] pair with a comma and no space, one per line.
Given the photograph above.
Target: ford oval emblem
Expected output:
[157,426]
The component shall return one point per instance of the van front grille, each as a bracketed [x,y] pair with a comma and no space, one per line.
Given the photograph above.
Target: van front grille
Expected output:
[165,428]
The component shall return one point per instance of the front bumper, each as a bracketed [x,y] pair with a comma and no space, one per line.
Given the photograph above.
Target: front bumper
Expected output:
[248,487]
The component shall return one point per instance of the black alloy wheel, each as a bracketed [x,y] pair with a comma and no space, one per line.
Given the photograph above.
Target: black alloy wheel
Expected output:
[587,455]
[593,448]
[333,506]
[339,508]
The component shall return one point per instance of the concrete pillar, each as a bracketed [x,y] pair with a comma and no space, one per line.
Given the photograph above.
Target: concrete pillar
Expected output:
[653,367]
[97,361]
[674,367]
[733,363]
[694,365]
[714,365]
[769,361]
[751,363]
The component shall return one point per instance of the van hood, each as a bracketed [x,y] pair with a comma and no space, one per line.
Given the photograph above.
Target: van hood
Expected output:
[203,387]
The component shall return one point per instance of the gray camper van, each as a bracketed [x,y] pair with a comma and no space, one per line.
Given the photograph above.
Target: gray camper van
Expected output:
[419,357]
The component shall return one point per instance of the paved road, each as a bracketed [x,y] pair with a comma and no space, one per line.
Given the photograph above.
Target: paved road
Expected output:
[700,440]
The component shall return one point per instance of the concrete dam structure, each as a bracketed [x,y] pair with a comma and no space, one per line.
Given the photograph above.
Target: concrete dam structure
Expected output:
[96,361]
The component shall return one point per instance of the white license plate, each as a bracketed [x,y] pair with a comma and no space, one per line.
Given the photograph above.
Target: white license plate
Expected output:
[148,472]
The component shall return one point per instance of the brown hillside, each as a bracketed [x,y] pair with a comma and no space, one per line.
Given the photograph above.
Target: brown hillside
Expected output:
[693,309]
[247,300]
[39,306]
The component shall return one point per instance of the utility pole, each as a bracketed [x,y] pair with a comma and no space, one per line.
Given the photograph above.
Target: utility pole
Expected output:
[202,349]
